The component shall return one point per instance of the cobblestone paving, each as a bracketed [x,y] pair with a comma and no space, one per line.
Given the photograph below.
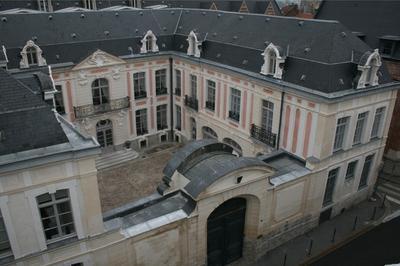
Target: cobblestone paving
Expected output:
[135,179]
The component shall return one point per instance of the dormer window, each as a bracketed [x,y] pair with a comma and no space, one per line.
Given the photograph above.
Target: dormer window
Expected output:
[31,56]
[149,43]
[273,61]
[369,66]
[194,43]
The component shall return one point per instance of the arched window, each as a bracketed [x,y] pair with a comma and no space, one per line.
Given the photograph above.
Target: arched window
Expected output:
[369,65]
[100,91]
[149,43]
[237,150]
[193,47]
[209,133]
[31,55]
[273,61]
[104,133]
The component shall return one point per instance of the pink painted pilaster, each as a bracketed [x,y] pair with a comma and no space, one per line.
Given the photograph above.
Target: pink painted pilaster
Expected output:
[151,82]
[225,99]
[286,128]
[307,134]
[129,86]
[244,109]
[296,130]
[70,106]
[251,108]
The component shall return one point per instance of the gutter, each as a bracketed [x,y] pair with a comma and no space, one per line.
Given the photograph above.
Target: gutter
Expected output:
[171,107]
[280,120]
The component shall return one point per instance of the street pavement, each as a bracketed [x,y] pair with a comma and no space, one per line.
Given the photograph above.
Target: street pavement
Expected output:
[326,237]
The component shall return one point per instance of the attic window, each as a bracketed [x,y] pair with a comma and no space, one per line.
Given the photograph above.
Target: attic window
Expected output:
[149,43]
[273,62]
[193,48]
[31,55]
[369,69]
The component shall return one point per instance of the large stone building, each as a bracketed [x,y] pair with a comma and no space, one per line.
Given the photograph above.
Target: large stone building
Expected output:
[311,102]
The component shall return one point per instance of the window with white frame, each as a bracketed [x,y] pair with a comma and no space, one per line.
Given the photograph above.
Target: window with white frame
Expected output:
[340,136]
[58,100]
[161,82]
[56,215]
[162,117]
[31,55]
[365,171]
[178,82]
[267,115]
[193,47]
[149,43]
[376,126]
[360,127]
[100,91]
[210,103]
[141,122]
[369,66]
[5,247]
[178,121]
[351,170]
[330,186]
[273,61]
[234,112]
[139,85]
[193,86]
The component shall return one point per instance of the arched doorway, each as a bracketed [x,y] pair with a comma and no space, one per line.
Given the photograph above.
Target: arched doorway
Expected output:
[104,133]
[225,228]
[209,133]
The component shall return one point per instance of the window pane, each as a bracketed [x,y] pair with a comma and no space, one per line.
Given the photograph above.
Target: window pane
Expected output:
[66,218]
[49,223]
[68,229]
[63,207]
[44,198]
[50,234]
[61,194]
[46,211]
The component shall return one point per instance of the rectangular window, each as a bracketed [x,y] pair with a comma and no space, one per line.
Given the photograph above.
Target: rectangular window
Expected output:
[340,135]
[58,100]
[380,112]
[193,86]
[178,117]
[178,82]
[141,122]
[360,126]
[161,82]
[5,248]
[56,215]
[162,117]
[330,186]
[234,112]
[139,85]
[210,103]
[267,115]
[365,171]
[351,169]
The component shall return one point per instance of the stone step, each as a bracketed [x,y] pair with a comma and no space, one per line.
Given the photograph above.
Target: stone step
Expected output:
[115,158]
[391,186]
[389,192]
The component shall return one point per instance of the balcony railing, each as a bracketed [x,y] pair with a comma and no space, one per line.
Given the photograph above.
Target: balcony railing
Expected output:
[210,105]
[192,102]
[161,91]
[141,131]
[234,115]
[140,94]
[90,109]
[178,91]
[263,135]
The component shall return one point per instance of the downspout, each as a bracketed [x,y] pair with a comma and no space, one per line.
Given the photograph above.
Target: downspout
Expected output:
[280,120]
[171,84]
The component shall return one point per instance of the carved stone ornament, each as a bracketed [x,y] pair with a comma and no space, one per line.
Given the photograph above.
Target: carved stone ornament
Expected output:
[98,58]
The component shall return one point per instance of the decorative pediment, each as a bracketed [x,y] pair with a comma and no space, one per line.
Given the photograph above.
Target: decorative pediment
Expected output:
[368,68]
[99,59]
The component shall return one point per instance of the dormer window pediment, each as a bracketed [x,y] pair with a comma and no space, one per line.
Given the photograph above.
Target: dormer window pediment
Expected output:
[149,43]
[31,55]
[194,45]
[369,65]
[273,61]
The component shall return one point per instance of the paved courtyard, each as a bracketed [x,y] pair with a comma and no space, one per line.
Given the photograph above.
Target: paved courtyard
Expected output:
[134,179]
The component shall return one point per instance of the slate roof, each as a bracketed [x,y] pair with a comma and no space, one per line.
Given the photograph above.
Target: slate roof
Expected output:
[321,55]
[372,18]
[26,122]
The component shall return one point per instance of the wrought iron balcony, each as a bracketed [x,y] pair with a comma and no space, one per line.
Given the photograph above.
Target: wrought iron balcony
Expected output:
[178,91]
[90,109]
[192,102]
[234,115]
[263,135]
[140,94]
[161,91]
[210,105]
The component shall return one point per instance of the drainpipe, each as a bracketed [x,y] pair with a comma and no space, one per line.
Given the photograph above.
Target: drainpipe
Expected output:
[280,120]
[171,84]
